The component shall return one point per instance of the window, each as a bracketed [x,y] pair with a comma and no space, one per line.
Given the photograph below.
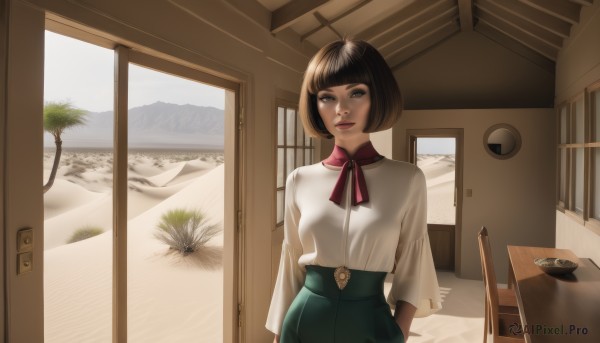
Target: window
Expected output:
[594,110]
[578,157]
[294,149]
[563,114]
[77,204]
[577,144]
[180,122]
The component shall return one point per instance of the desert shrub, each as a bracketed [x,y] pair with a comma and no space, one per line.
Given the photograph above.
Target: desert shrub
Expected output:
[185,231]
[85,233]
[76,170]
[142,180]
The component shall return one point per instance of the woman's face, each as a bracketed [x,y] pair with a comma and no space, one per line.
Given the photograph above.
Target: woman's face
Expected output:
[344,110]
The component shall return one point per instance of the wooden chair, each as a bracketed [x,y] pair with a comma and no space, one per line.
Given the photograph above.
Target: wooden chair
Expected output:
[501,309]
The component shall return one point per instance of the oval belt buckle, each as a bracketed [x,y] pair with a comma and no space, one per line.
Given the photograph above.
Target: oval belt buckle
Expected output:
[341,276]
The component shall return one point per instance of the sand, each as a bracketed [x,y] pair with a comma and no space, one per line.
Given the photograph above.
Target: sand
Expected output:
[173,298]
[170,298]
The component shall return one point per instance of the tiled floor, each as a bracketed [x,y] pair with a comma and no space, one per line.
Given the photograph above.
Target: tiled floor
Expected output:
[461,318]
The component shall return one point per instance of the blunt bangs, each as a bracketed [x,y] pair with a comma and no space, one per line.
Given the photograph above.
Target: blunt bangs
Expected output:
[339,66]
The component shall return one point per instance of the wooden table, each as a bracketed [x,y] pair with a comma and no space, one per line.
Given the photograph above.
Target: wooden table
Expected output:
[555,308]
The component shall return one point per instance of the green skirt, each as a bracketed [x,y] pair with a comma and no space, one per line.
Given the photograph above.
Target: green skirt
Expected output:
[322,313]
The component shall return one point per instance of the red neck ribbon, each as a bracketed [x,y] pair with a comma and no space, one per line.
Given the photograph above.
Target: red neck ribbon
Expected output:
[366,154]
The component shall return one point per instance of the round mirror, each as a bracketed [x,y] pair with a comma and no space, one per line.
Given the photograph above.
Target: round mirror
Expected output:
[502,141]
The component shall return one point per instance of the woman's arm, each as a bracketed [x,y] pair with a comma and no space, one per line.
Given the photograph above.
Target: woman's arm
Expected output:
[276,340]
[404,315]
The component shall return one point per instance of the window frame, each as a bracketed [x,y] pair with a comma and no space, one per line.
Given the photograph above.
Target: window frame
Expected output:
[572,146]
[562,205]
[591,141]
[231,81]
[287,105]
[594,143]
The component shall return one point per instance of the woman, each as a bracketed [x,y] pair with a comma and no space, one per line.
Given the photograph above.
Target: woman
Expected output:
[354,217]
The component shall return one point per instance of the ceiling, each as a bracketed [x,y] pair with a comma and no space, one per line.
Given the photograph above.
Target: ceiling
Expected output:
[404,29]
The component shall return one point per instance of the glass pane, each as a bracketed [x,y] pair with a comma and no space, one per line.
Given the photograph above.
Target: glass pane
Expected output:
[280,204]
[563,125]
[595,112]
[299,157]
[307,160]
[578,191]
[597,183]
[280,161]
[291,129]
[436,157]
[289,161]
[280,125]
[299,132]
[176,184]
[78,205]
[579,121]
[563,173]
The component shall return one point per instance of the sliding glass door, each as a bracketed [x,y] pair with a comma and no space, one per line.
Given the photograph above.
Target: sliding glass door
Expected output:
[134,247]
[175,208]
[78,184]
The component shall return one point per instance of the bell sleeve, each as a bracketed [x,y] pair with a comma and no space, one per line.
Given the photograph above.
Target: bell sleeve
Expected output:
[415,280]
[290,277]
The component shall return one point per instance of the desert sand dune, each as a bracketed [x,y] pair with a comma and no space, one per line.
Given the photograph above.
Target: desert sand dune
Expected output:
[65,196]
[170,298]
[183,171]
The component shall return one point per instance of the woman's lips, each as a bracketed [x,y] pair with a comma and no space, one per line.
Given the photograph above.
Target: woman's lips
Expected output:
[344,125]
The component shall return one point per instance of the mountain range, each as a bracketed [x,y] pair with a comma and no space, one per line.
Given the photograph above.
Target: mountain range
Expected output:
[159,125]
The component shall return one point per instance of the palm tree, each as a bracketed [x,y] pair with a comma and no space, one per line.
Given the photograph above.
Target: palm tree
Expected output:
[59,116]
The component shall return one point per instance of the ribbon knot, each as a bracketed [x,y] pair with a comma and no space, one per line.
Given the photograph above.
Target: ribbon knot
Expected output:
[366,154]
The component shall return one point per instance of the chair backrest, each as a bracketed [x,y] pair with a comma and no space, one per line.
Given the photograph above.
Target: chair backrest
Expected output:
[489,280]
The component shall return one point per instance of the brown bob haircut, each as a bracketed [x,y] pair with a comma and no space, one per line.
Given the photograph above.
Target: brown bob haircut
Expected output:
[344,62]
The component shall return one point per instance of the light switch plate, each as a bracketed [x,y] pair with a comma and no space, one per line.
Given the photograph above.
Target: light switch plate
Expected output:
[24,240]
[24,263]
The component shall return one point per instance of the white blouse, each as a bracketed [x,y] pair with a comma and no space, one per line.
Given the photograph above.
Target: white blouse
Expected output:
[388,232]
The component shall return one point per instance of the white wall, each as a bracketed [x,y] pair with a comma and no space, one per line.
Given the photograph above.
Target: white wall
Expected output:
[513,198]
[577,67]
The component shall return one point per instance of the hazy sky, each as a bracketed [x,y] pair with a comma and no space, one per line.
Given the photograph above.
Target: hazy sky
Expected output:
[442,146]
[83,73]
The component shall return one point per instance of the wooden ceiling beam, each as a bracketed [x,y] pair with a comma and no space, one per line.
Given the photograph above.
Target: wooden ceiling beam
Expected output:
[490,9]
[442,9]
[517,47]
[324,22]
[332,21]
[405,39]
[287,14]
[423,45]
[560,9]
[465,10]
[399,17]
[535,16]
[516,34]
[583,2]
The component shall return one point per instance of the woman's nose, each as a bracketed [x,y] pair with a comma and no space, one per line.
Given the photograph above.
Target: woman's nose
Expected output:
[342,107]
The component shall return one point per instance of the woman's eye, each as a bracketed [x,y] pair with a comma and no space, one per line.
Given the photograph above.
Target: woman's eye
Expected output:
[357,93]
[325,98]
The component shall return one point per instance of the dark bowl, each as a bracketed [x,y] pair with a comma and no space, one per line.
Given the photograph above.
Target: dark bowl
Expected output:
[555,266]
